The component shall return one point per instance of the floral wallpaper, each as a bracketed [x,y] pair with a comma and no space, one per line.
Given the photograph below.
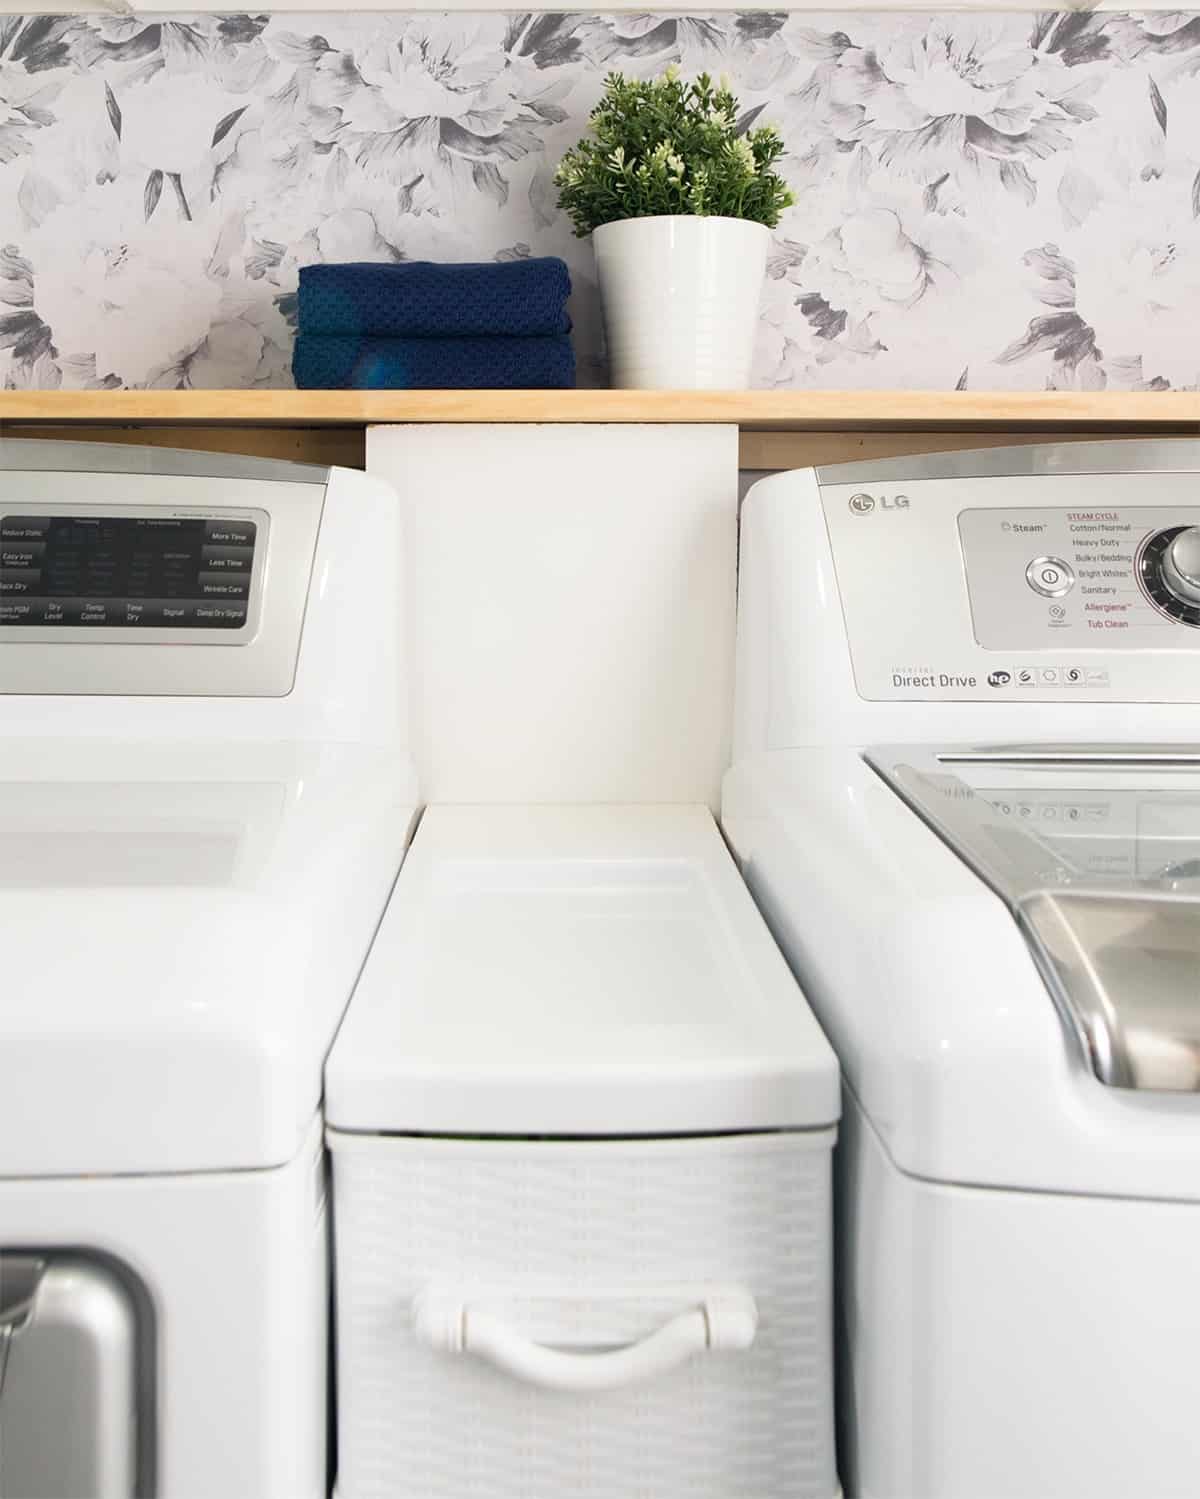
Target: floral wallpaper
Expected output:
[992,201]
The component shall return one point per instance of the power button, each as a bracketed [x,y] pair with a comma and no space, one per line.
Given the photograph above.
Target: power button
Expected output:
[1050,576]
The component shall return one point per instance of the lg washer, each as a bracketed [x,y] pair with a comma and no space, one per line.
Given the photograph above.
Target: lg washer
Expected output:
[966,794]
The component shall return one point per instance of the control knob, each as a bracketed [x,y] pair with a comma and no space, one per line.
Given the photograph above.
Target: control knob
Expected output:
[1169,572]
[1181,565]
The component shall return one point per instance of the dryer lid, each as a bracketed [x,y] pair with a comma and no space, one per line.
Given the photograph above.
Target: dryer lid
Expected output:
[1096,850]
[181,928]
[576,971]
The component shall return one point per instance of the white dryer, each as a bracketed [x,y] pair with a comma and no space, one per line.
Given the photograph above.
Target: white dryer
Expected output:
[204,801]
[966,794]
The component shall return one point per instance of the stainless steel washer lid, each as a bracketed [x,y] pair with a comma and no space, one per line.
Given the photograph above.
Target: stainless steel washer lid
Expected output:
[1096,849]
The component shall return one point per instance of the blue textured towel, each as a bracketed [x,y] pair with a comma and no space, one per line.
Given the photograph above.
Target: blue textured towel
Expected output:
[433,363]
[420,299]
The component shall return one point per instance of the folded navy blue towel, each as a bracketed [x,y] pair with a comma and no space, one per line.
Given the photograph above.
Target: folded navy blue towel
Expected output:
[327,363]
[420,299]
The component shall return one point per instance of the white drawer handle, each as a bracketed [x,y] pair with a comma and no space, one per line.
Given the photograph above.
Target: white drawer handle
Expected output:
[726,1318]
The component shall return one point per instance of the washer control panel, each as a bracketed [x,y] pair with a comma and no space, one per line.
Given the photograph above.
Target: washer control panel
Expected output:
[1035,576]
[1031,586]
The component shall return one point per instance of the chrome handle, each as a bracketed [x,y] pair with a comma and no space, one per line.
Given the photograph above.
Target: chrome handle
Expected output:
[20,1276]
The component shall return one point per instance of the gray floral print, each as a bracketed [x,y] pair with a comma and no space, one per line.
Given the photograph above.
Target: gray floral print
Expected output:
[997,201]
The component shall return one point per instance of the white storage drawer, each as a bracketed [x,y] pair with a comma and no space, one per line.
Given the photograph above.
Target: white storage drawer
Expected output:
[581,1122]
[583,1247]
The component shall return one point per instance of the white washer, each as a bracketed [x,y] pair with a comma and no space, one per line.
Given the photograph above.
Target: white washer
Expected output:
[966,794]
[204,801]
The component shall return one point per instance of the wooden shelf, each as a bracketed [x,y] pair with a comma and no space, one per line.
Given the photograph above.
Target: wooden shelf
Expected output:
[779,428]
[753,411]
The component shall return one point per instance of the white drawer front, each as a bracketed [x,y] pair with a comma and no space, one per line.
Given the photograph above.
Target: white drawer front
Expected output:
[585,1248]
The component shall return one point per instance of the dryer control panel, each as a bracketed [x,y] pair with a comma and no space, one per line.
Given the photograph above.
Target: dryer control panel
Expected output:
[1034,574]
[155,574]
[137,572]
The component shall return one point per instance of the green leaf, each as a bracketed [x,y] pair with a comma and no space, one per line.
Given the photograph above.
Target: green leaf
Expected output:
[665,146]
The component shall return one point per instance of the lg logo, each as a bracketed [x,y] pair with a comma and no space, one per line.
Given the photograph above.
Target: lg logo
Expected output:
[863,504]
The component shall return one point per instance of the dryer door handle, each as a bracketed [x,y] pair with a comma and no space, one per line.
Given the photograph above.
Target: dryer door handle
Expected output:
[725,1319]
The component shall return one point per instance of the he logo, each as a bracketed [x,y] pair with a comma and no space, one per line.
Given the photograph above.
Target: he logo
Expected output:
[863,504]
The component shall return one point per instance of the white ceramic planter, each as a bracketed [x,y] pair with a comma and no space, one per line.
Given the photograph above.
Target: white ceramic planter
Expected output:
[680,296]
